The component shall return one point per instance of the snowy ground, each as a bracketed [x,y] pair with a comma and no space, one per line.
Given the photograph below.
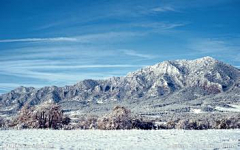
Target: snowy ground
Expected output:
[233,108]
[133,139]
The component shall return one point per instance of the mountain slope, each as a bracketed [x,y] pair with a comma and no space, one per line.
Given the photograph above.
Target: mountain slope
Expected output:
[170,85]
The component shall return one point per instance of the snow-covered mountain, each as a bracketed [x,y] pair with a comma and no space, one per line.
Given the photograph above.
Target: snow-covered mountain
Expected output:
[183,85]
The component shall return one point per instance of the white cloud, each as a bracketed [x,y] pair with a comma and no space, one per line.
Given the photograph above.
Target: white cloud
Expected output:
[57,74]
[68,64]
[57,71]
[89,38]
[49,76]
[225,48]
[163,9]
[236,57]
[78,66]
[105,36]
[55,39]
[210,46]
[158,25]
[48,64]
[136,54]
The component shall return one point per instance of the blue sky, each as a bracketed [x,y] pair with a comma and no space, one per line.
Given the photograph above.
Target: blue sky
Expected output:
[59,42]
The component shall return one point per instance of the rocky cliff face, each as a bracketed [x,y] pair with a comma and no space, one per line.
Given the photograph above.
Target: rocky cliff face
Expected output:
[182,80]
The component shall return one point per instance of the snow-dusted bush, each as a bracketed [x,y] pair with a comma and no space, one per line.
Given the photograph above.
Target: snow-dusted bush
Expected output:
[171,124]
[139,123]
[228,123]
[231,122]
[119,118]
[87,122]
[46,115]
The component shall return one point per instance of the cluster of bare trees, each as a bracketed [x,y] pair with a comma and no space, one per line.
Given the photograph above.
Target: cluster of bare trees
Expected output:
[228,123]
[47,115]
[119,118]
[201,124]
[87,122]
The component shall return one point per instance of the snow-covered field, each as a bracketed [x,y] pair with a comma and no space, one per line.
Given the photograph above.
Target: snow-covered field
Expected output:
[126,139]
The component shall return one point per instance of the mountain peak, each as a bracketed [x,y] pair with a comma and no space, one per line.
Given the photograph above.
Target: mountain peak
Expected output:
[177,67]
[207,58]
[23,89]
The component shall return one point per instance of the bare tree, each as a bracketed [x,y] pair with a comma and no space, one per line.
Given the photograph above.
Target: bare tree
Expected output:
[119,118]
[2,122]
[46,115]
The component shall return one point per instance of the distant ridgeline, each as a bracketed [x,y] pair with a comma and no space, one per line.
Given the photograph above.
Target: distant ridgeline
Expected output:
[189,94]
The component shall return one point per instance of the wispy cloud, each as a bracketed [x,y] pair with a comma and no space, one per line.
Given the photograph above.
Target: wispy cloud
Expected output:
[163,9]
[224,48]
[68,67]
[108,36]
[186,4]
[213,45]
[54,65]
[136,54]
[89,38]
[52,77]
[159,25]
[55,39]
[236,57]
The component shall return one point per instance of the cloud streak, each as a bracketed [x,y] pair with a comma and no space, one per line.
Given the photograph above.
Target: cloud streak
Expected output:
[47,66]
[105,36]
[89,38]
[159,25]
[54,69]
[163,9]
[55,39]
[136,54]
[213,45]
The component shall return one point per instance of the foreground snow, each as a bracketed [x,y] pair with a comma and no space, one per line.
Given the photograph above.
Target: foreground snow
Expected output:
[133,139]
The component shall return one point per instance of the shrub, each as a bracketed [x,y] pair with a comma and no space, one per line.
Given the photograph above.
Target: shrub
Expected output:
[119,118]
[228,123]
[66,120]
[141,124]
[46,115]
[88,122]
